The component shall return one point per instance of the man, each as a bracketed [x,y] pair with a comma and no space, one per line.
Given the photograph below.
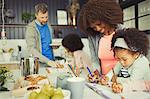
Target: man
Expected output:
[39,36]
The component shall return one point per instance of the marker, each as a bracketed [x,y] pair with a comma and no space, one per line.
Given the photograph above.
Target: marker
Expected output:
[72,69]
[89,71]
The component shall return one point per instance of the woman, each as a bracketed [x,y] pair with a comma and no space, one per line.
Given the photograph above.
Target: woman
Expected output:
[99,19]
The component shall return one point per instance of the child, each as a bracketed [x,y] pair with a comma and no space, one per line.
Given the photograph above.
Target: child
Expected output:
[130,47]
[73,44]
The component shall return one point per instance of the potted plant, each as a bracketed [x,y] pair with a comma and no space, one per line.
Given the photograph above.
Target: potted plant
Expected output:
[26,17]
[4,74]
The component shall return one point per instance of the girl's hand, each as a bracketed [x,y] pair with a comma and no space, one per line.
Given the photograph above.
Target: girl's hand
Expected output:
[117,88]
[54,64]
[58,65]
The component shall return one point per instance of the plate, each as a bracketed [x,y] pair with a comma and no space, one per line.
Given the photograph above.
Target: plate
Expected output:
[21,82]
[37,79]
[66,93]
[55,45]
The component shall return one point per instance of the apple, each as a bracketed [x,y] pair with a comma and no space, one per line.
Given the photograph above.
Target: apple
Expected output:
[48,90]
[59,92]
[32,95]
[57,97]
[42,96]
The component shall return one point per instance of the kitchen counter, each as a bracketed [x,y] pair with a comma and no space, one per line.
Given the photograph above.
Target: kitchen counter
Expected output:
[88,92]
[10,64]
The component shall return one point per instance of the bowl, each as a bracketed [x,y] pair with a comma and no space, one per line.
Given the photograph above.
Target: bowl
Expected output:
[66,93]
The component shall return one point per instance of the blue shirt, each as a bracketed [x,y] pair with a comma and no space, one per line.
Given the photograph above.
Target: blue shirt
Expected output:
[45,41]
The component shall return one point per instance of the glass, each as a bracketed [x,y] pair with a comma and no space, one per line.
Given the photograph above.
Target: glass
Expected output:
[144,23]
[76,86]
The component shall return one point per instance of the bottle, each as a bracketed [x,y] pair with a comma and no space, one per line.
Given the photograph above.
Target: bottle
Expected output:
[31,64]
[19,53]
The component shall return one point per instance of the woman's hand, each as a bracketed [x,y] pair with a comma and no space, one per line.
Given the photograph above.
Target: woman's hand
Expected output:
[93,78]
[104,80]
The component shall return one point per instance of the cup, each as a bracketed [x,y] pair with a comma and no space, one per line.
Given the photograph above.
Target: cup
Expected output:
[76,86]
[62,81]
[7,56]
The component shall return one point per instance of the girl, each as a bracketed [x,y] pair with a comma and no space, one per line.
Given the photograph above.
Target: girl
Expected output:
[73,44]
[130,47]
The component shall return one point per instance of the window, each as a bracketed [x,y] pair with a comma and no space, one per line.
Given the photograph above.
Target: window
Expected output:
[129,13]
[129,24]
[144,8]
[136,14]
[129,17]
[144,15]
[144,23]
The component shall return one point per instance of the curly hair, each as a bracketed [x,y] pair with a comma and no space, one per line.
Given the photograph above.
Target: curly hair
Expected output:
[41,7]
[136,40]
[107,11]
[72,42]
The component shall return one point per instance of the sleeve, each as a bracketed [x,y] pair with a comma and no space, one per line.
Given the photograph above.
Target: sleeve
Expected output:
[77,59]
[31,45]
[94,58]
[82,59]
[87,61]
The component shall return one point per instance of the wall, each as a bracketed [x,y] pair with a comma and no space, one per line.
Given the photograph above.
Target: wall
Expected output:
[20,6]
[13,43]
[15,28]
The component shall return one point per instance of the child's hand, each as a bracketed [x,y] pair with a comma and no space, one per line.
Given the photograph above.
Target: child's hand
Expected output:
[54,64]
[117,88]
[93,78]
